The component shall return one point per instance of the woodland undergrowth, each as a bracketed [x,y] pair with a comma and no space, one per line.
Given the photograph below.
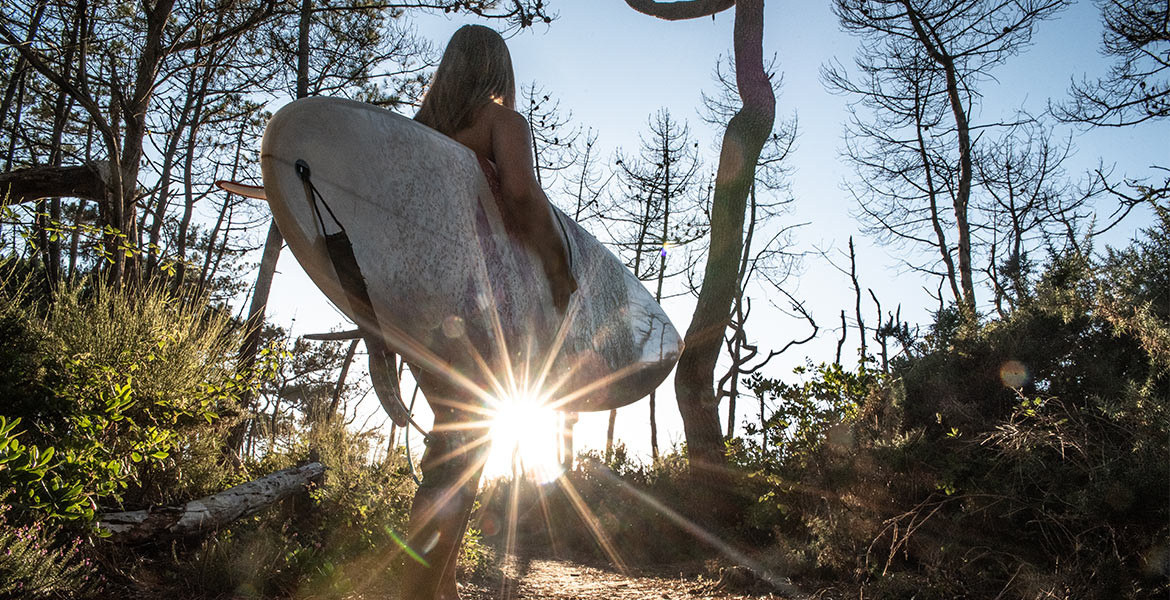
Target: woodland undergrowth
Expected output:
[1019,456]
[1023,456]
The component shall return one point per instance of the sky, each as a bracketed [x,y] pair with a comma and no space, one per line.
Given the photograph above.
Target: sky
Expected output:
[612,68]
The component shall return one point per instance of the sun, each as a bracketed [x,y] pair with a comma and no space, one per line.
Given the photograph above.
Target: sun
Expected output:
[524,429]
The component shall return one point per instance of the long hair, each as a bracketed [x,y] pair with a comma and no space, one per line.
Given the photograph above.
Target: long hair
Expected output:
[476,69]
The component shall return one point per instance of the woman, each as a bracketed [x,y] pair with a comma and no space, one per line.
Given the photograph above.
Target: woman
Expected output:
[472,99]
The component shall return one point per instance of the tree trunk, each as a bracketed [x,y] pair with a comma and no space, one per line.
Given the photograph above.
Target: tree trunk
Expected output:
[746,134]
[134,112]
[188,177]
[18,70]
[336,400]
[205,272]
[666,191]
[255,324]
[609,434]
[62,107]
[857,300]
[653,426]
[932,193]
[963,130]
[165,175]
[275,240]
[568,421]
[210,512]
[731,398]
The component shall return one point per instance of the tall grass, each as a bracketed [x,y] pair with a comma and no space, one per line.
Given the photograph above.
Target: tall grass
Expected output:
[171,346]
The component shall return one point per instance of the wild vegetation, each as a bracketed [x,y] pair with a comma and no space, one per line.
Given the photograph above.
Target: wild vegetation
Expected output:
[1014,445]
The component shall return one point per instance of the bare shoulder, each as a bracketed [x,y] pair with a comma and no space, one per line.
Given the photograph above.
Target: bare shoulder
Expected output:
[506,121]
[512,151]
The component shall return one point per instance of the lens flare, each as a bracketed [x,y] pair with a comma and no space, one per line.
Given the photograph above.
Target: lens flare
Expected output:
[1014,374]
[524,440]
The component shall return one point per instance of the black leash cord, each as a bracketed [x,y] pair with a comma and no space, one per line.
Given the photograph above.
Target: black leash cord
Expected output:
[568,243]
[305,174]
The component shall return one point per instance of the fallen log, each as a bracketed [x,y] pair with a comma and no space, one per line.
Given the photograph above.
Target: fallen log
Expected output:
[210,512]
[334,336]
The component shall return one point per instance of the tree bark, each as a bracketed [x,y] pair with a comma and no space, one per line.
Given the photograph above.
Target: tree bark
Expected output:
[125,146]
[568,420]
[209,512]
[746,133]
[62,107]
[274,241]
[857,302]
[963,128]
[34,183]
[18,69]
[609,434]
[255,325]
[653,426]
[336,400]
[932,193]
[189,198]
[165,175]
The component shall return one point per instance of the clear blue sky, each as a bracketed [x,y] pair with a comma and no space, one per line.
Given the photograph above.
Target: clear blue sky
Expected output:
[612,68]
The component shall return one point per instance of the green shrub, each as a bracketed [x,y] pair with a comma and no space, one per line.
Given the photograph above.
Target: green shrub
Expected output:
[1024,457]
[118,384]
[35,563]
[338,540]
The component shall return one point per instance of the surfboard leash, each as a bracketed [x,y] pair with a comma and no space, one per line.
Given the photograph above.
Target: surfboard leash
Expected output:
[565,233]
[315,196]
[349,274]
[409,458]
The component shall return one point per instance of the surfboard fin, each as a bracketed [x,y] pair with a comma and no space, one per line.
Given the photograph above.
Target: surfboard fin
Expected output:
[243,189]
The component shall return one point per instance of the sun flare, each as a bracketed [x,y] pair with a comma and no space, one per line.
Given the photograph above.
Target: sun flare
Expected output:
[524,430]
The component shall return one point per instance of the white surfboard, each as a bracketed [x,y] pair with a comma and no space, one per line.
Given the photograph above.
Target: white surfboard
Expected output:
[452,289]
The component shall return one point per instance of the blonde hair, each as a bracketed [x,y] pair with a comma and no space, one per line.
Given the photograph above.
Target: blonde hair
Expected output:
[476,69]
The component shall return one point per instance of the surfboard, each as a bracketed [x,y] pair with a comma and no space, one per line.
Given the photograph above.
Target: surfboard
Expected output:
[447,283]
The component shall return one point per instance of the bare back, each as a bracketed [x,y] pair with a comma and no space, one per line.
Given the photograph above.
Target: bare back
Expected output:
[478,136]
[503,136]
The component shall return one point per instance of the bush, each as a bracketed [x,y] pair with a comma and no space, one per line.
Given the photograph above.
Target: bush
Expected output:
[115,387]
[340,539]
[124,398]
[1023,457]
[36,563]
[602,508]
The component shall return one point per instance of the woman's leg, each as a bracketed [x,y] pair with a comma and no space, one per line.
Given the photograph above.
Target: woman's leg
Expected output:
[451,468]
[448,589]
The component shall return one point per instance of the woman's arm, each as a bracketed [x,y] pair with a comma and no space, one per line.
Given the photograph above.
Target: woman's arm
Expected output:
[527,203]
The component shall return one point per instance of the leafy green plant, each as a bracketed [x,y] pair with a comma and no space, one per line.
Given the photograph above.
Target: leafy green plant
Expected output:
[1022,456]
[337,540]
[806,414]
[116,384]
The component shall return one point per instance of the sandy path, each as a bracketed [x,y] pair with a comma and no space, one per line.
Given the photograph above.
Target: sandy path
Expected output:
[564,580]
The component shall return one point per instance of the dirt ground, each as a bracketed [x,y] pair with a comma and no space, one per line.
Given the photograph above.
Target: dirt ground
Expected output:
[565,580]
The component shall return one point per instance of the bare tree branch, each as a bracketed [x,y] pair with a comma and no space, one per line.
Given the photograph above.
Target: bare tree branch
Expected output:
[680,11]
[31,184]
